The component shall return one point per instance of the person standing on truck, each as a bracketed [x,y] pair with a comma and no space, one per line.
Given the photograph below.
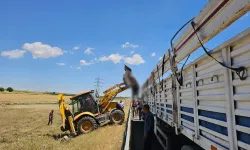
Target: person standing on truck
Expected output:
[134,108]
[139,109]
[148,128]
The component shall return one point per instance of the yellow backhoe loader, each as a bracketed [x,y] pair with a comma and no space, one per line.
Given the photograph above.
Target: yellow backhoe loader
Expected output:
[88,112]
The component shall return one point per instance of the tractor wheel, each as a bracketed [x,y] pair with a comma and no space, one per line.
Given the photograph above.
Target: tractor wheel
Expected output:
[117,116]
[86,125]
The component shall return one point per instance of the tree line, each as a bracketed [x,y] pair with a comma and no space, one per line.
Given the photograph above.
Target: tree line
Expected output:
[9,89]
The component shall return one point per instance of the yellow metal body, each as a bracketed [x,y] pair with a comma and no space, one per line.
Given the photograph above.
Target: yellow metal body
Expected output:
[89,91]
[110,106]
[64,111]
[83,114]
[105,105]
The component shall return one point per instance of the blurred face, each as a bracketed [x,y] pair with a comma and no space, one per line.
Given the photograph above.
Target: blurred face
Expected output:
[145,110]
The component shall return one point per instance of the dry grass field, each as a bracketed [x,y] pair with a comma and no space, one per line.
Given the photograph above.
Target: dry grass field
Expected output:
[28,97]
[25,126]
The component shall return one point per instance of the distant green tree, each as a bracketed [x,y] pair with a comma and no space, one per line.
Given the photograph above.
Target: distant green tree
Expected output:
[10,89]
[1,89]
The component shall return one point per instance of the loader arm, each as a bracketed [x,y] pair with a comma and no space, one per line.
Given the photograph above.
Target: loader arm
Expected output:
[110,94]
[66,115]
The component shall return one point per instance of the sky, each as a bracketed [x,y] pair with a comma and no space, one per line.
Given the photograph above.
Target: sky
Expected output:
[63,46]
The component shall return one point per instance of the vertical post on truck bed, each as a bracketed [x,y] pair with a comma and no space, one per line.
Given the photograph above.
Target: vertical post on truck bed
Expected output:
[229,100]
[174,69]
[178,125]
[196,120]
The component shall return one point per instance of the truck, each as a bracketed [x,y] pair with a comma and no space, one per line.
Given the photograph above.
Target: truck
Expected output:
[206,102]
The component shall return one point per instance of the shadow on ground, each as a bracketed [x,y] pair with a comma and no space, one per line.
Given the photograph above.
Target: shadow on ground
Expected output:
[137,137]
[61,137]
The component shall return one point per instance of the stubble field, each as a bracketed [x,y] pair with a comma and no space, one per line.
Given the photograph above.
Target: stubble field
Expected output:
[24,119]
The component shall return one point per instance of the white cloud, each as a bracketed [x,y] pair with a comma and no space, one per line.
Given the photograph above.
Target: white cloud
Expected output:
[76,47]
[153,54]
[132,52]
[78,68]
[89,51]
[136,59]
[160,58]
[129,45]
[40,50]
[85,63]
[69,52]
[60,64]
[116,58]
[13,54]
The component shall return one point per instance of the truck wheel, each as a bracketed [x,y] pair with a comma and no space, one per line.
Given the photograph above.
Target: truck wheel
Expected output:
[117,116]
[86,125]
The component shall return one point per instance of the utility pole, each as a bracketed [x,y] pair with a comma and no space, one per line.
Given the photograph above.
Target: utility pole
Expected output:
[98,84]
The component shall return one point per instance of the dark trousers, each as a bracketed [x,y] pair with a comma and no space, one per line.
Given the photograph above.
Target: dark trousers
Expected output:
[134,111]
[148,142]
[140,112]
[50,121]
